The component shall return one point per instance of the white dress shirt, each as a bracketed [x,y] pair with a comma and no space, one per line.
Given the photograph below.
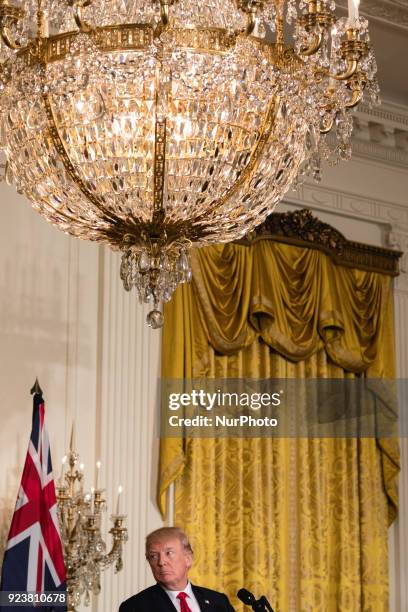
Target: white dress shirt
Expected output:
[191,599]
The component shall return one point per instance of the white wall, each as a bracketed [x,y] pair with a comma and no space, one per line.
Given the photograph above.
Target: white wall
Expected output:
[65,318]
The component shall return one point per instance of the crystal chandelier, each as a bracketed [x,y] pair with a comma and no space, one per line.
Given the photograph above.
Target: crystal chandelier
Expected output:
[80,516]
[155,125]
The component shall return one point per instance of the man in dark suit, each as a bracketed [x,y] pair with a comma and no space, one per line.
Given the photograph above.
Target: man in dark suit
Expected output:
[170,557]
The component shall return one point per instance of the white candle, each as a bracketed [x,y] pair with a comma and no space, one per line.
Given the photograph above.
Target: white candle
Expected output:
[353,11]
[81,474]
[120,489]
[92,499]
[72,438]
[63,462]
[98,467]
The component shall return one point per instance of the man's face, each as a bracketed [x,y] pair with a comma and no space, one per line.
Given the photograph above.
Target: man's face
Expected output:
[169,562]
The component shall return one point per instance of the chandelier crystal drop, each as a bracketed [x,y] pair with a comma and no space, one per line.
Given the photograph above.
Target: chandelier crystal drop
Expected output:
[155,125]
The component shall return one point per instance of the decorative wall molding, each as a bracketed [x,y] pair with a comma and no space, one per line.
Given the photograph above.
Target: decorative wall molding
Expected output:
[332,200]
[387,113]
[381,134]
[376,151]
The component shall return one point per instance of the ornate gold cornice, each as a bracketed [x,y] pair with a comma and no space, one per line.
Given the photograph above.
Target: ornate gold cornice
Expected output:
[301,228]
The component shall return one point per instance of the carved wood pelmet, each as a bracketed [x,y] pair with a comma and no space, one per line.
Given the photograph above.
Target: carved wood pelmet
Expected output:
[302,228]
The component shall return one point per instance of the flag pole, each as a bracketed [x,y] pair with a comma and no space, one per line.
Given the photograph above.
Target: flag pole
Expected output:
[36,389]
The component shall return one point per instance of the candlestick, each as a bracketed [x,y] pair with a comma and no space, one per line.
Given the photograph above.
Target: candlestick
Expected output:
[120,489]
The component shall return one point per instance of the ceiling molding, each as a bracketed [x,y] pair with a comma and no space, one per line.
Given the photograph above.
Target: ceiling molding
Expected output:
[381,134]
[374,151]
[388,113]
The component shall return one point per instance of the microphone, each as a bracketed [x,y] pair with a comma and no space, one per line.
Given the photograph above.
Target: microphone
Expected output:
[248,598]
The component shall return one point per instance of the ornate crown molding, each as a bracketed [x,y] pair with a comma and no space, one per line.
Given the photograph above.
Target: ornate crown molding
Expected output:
[301,228]
[387,113]
[381,134]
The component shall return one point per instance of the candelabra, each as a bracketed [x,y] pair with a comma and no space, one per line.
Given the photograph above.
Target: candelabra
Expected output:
[80,516]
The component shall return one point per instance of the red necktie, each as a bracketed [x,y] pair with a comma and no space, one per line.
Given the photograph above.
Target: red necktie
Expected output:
[184,607]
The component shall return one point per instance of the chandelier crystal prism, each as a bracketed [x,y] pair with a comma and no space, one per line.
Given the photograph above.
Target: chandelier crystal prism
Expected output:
[154,125]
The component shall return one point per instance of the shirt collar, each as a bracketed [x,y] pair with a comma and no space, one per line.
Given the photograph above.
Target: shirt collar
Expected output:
[173,594]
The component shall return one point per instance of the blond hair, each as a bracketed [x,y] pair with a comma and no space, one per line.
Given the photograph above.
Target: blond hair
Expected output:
[167,533]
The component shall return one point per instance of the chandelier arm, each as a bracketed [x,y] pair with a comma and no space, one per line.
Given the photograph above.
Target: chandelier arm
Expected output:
[8,39]
[314,46]
[78,7]
[10,15]
[355,98]
[68,165]
[328,127]
[115,551]
[252,164]
[350,71]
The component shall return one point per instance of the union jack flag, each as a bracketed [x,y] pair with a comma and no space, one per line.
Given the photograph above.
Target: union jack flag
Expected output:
[33,560]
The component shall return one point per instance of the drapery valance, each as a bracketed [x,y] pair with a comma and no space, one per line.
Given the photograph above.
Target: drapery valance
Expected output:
[297,300]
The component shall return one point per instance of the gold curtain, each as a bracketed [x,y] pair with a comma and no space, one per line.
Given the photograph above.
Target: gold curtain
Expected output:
[303,521]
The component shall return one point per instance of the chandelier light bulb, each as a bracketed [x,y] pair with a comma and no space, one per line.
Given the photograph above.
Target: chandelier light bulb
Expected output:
[154,126]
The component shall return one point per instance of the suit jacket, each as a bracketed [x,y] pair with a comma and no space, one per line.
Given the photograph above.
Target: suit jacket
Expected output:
[155,599]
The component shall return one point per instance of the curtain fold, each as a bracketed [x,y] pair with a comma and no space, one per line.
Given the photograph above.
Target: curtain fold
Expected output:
[302,520]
